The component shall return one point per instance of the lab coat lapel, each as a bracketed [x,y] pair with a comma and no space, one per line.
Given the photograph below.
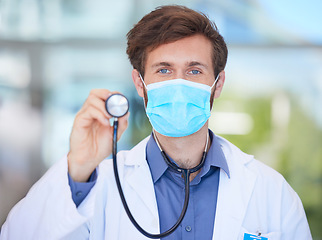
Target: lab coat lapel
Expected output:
[140,181]
[233,196]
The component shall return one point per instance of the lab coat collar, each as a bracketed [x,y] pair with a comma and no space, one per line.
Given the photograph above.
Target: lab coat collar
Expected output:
[136,156]
[155,160]
[140,179]
[233,193]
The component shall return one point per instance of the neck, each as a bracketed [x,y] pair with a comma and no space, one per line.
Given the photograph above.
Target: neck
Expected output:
[185,151]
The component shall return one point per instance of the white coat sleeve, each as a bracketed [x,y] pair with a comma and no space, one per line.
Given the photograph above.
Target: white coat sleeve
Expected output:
[47,211]
[294,223]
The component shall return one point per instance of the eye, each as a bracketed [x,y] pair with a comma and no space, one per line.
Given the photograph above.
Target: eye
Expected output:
[195,72]
[163,71]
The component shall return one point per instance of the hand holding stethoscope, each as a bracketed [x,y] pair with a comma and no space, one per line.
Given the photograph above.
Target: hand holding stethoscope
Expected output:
[91,139]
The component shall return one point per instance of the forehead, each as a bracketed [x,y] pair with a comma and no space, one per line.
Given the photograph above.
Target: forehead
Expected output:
[196,48]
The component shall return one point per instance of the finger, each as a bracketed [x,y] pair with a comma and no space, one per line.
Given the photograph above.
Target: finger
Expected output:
[99,104]
[93,113]
[102,93]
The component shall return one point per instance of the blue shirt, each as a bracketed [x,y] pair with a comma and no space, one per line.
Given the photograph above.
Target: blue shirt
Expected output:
[198,222]
[81,189]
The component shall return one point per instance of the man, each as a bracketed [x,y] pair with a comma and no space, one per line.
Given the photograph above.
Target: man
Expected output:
[178,58]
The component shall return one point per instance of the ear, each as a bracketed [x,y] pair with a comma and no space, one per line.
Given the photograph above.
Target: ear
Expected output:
[137,82]
[220,84]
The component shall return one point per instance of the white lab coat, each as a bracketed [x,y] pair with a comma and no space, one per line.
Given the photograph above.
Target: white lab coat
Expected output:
[254,199]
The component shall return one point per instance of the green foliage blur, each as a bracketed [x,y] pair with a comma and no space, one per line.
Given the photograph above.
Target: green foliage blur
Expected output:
[295,151]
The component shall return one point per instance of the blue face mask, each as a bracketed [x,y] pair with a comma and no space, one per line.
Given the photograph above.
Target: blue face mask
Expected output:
[178,108]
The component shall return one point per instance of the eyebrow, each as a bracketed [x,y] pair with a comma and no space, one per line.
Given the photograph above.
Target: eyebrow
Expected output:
[189,64]
[161,64]
[195,63]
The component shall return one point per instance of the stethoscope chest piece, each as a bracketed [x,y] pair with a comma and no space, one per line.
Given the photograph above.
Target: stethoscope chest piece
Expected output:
[117,105]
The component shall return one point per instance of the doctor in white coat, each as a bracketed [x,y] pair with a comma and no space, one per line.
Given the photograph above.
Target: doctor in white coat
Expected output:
[178,58]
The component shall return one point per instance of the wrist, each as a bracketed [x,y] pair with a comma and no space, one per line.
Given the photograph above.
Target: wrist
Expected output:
[79,170]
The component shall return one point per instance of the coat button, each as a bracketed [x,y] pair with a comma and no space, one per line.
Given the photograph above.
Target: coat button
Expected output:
[188,228]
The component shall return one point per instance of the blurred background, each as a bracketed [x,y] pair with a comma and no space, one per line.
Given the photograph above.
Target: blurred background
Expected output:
[53,52]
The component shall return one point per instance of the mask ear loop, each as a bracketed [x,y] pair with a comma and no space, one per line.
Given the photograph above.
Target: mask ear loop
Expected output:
[143,81]
[214,82]
[143,90]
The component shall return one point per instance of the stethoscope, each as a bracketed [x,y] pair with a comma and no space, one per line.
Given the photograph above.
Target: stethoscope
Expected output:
[117,105]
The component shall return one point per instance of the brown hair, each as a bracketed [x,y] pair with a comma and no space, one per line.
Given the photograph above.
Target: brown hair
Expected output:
[168,24]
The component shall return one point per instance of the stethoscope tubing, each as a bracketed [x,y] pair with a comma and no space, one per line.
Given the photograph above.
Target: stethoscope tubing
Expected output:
[186,175]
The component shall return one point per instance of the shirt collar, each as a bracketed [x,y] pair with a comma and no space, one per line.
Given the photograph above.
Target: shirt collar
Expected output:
[215,158]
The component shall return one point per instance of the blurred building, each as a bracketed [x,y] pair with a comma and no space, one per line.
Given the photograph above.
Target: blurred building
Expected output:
[52,53]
